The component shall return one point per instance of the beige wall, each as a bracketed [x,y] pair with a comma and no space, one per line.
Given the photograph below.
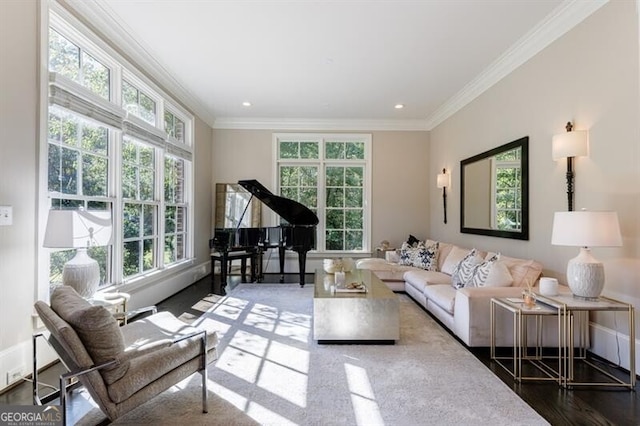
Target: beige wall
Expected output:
[399,188]
[18,180]
[589,76]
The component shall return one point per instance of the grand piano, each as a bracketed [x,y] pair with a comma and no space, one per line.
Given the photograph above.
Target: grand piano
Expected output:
[298,234]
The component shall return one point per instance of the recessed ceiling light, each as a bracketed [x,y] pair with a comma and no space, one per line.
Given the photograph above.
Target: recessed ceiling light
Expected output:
[247,104]
[399,106]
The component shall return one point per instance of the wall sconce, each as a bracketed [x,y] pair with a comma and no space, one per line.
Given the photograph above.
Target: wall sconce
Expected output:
[573,143]
[444,181]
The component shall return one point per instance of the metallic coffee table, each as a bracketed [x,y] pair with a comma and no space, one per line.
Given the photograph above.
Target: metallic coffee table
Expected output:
[371,317]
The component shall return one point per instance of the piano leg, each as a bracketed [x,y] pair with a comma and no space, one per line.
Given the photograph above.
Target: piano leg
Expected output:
[281,254]
[302,265]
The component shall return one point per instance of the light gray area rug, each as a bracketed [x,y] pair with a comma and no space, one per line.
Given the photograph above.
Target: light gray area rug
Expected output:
[271,371]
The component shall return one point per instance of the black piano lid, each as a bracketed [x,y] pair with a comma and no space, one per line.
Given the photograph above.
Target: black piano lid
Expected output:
[290,210]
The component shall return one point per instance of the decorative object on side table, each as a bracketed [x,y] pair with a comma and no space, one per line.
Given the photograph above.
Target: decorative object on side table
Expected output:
[79,229]
[585,229]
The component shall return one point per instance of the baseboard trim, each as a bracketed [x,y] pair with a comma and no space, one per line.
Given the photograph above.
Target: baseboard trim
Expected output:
[612,345]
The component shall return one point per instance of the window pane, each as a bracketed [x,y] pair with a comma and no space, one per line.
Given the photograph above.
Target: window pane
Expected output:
[353,197]
[309,176]
[129,179]
[131,258]
[149,255]
[308,197]
[132,214]
[354,176]
[289,150]
[129,98]
[309,150]
[335,219]
[335,197]
[147,109]
[334,150]
[335,176]
[353,240]
[181,216]
[354,151]
[335,240]
[96,76]
[94,175]
[170,220]
[169,124]
[289,176]
[170,249]
[55,128]
[354,219]
[149,220]
[180,246]
[146,156]
[146,184]
[64,56]
[95,139]
[69,130]
[69,171]
[54,168]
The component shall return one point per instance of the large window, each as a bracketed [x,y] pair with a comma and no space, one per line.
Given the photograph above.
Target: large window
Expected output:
[116,143]
[329,174]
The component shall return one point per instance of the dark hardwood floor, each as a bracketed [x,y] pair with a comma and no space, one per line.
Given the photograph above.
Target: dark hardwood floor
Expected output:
[582,406]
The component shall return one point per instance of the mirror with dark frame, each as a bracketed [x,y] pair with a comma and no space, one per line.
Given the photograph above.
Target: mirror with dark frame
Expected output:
[494,192]
[231,203]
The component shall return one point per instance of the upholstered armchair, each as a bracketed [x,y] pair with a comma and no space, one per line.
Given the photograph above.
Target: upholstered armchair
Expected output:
[121,367]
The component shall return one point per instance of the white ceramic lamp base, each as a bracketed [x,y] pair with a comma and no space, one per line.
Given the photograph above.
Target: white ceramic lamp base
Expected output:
[585,275]
[82,273]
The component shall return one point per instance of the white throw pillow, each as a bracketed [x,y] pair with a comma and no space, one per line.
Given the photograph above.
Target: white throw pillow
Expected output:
[491,273]
[420,256]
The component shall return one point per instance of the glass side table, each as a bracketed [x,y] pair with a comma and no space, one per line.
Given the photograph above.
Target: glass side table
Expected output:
[525,361]
[577,321]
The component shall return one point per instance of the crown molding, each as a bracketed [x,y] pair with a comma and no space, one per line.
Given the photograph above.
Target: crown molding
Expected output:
[101,18]
[307,124]
[564,17]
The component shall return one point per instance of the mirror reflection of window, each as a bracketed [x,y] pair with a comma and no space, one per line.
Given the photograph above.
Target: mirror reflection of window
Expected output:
[507,194]
[231,203]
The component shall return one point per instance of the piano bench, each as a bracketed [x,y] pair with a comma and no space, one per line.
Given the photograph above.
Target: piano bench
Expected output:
[225,259]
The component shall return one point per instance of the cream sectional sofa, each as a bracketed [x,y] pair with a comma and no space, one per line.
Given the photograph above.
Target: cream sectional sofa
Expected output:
[465,311]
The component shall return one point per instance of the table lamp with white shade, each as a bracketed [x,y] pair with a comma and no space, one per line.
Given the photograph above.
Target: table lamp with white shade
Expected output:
[79,229]
[585,229]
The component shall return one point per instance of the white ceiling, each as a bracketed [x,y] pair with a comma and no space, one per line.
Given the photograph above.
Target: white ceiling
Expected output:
[344,60]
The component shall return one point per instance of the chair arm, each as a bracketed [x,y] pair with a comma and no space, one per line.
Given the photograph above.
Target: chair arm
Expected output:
[150,348]
[130,314]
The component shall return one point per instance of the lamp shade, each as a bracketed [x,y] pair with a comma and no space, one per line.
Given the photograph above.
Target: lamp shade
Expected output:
[570,144]
[586,229]
[443,180]
[77,229]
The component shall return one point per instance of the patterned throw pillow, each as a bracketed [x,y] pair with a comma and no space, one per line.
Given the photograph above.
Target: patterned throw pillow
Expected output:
[420,256]
[465,269]
[481,272]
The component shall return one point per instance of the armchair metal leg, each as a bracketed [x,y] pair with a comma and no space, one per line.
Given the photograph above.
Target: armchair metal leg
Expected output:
[205,392]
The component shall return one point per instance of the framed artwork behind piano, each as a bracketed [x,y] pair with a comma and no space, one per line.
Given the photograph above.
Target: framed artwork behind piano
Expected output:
[231,202]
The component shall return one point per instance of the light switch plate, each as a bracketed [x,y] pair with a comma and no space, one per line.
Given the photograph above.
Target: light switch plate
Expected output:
[6,215]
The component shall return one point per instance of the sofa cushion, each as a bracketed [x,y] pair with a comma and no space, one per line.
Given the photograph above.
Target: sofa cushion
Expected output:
[418,278]
[522,270]
[442,295]
[465,269]
[96,327]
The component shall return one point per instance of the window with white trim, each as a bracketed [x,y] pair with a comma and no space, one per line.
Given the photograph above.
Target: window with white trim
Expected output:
[331,175]
[117,143]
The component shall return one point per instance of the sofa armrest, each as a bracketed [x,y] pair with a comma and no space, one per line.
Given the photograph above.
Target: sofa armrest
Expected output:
[472,320]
